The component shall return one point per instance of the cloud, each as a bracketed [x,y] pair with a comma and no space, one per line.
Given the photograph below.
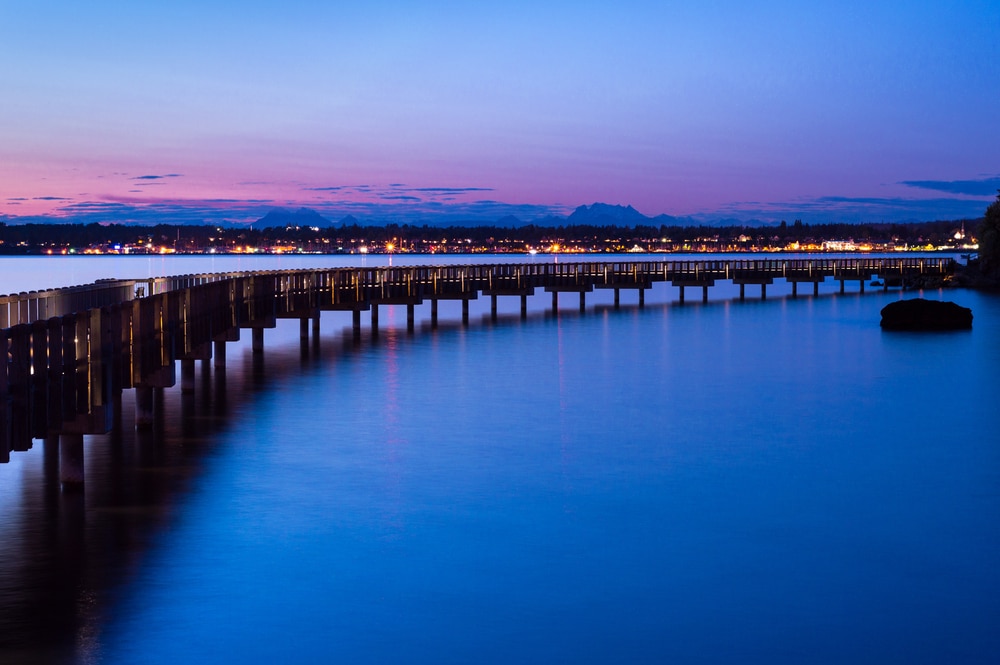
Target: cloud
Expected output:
[156,177]
[398,191]
[50,198]
[984,187]
[450,190]
[847,209]
[126,210]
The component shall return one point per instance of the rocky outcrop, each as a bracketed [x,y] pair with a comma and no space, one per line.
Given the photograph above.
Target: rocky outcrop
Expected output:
[920,314]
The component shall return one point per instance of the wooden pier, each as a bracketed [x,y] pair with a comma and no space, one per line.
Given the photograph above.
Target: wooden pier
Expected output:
[72,352]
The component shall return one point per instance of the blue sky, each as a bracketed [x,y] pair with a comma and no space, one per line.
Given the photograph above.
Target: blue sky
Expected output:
[817,111]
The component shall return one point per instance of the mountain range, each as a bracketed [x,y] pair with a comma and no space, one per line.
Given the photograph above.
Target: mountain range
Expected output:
[597,214]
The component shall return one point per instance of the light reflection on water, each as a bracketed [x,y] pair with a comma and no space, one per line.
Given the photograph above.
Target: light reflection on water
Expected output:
[734,482]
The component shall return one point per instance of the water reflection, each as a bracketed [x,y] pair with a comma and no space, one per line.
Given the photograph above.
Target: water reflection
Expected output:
[70,554]
[696,482]
[67,553]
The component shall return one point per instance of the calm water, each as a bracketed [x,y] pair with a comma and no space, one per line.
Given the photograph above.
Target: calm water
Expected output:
[765,482]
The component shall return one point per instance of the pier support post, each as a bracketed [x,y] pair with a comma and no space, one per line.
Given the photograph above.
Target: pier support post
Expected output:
[434,313]
[815,288]
[410,317]
[493,307]
[642,297]
[187,375]
[50,457]
[763,291]
[704,294]
[555,301]
[841,286]
[374,320]
[257,342]
[524,306]
[304,329]
[885,284]
[862,286]
[795,289]
[465,311]
[143,407]
[583,301]
[743,291]
[356,319]
[315,326]
[71,461]
[682,294]
[617,298]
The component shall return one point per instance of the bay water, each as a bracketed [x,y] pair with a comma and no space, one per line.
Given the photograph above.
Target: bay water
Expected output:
[772,481]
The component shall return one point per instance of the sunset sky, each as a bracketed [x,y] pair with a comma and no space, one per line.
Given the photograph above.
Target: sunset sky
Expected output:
[216,111]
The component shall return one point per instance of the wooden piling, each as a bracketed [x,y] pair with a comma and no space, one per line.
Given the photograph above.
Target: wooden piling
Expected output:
[5,415]
[143,407]
[71,467]
[19,378]
[187,375]
[220,354]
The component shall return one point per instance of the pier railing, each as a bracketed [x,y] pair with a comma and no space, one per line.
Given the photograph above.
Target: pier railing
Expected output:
[71,352]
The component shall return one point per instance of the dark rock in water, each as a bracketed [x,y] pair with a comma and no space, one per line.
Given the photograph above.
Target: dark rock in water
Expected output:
[920,314]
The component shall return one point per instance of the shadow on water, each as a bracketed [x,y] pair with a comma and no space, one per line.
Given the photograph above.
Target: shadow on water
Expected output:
[69,554]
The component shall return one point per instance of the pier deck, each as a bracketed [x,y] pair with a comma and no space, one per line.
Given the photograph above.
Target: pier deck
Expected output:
[71,352]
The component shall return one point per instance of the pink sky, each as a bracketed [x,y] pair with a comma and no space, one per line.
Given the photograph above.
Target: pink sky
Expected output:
[691,109]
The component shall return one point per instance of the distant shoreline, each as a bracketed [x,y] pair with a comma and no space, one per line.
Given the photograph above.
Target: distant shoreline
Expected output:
[953,236]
